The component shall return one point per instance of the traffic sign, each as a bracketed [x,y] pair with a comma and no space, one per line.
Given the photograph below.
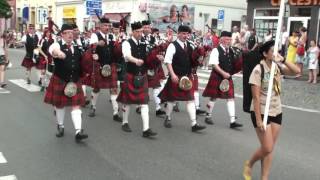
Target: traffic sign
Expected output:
[92,6]
[42,14]
[221,14]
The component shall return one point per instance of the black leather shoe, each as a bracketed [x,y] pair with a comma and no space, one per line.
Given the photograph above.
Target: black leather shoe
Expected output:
[92,112]
[235,125]
[160,112]
[197,127]
[117,118]
[28,81]
[176,108]
[126,128]
[167,123]
[148,133]
[208,121]
[200,112]
[39,82]
[60,132]
[80,136]
[138,110]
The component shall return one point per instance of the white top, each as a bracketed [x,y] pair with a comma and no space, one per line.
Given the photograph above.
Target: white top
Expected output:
[1,46]
[171,50]
[235,35]
[284,37]
[56,45]
[214,56]
[268,38]
[94,38]
[126,49]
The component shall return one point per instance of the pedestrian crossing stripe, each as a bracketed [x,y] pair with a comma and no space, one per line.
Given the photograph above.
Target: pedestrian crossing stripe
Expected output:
[2,159]
[4,91]
[23,84]
[10,177]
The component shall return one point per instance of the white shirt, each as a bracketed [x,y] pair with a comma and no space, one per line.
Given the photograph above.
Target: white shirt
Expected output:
[56,45]
[126,49]
[171,50]
[214,56]
[94,38]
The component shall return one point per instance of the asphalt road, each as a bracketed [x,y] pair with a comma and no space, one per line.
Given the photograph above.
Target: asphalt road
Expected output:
[28,143]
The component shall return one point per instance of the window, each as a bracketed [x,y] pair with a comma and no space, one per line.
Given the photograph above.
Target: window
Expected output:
[214,24]
[263,25]
[267,12]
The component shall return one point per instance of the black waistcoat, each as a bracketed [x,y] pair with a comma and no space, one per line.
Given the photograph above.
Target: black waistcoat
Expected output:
[104,52]
[137,51]
[68,69]
[181,62]
[45,45]
[225,60]
[31,44]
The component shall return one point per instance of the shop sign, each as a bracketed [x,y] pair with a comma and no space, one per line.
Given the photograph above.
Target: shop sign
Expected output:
[297,2]
[69,12]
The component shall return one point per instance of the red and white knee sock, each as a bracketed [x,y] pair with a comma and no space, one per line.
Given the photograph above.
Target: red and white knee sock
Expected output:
[76,119]
[210,107]
[156,98]
[197,99]
[191,108]
[114,103]
[145,116]
[169,109]
[94,98]
[126,112]
[231,110]
[60,112]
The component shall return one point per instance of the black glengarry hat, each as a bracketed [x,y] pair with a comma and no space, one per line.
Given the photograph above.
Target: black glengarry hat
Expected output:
[184,28]
[136,25]
[226,34]
[145,22]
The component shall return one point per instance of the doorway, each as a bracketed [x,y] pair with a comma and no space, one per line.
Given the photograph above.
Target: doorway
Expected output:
[294,23]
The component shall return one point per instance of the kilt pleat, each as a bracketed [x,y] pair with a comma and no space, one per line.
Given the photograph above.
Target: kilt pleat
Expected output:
[27,63]
[129,94]
[212,89]
[55,94]
[171,92]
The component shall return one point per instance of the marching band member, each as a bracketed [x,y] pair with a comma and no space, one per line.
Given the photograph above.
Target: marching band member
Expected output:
[220,85]
[65,88]
[30,59]
[178,87]
[104,75]
[45,57]
[134,89]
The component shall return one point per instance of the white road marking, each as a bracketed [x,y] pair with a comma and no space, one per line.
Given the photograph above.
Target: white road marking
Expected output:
[10,177]
[283,105]
[4,91]
[23,84]
[2,159]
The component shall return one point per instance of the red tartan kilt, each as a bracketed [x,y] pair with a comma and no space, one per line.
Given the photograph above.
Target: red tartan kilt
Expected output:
[212,89]
[86,81]
[97,81]
[42,63]
[171,92]
[195,84]
[132,95]
[55,94]
[27,63]
[161,73]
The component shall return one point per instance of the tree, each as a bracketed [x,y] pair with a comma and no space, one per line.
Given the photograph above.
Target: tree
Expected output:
[5,9]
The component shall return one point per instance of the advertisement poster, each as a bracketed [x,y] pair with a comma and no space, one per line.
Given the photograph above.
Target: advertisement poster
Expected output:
[164,15]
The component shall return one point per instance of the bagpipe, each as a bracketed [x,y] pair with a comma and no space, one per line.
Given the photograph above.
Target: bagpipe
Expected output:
[237,56]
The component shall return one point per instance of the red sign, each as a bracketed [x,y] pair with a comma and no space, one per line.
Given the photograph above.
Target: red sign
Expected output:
[297,2]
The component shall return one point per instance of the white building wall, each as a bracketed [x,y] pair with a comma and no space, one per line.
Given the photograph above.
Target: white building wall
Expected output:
[230,14]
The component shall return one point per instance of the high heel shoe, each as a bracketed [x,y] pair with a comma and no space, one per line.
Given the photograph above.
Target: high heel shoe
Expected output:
[246,171]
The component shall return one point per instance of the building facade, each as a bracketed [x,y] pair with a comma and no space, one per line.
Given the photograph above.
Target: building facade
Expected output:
[263,16]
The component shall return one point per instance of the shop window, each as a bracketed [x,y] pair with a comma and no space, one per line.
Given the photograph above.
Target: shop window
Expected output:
[305,12]
[214,24]
[267,12]
[263,25]
[235,23]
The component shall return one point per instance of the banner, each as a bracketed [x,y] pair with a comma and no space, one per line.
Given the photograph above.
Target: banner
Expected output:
[164,14]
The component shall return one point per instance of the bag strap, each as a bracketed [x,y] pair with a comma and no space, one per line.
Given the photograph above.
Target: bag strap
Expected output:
[262,72]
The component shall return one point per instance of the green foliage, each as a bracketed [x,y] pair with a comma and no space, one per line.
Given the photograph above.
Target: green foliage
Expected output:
[5,9]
